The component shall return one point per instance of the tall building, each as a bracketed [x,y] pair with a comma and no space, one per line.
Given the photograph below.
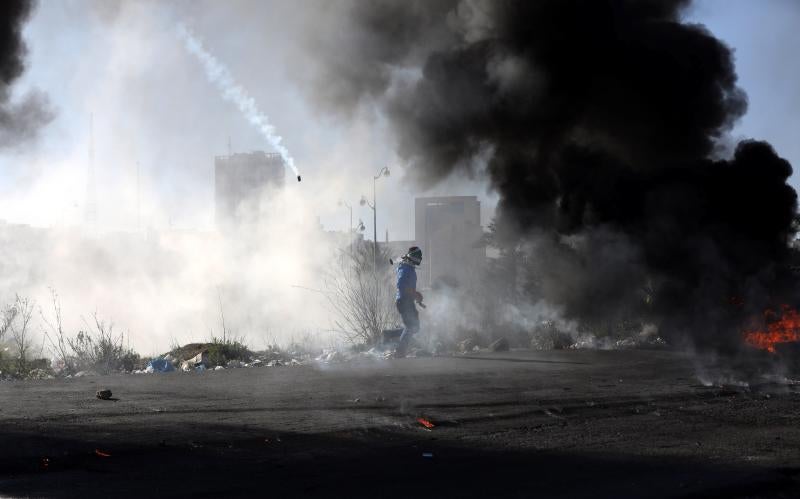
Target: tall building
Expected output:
[240,180]
[448,229]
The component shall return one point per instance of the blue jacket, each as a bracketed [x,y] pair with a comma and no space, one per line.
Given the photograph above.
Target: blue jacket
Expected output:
[406,278]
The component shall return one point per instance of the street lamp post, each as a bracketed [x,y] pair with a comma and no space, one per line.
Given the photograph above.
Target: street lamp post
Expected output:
[385,173]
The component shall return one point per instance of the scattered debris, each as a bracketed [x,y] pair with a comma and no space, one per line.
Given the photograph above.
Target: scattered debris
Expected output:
[334,356]
[548,336]
[101,453]
[467,345]
[646,339]
[331,356]
[39,373]
[219,368]
[104,394]
[199,359]
[550,413]
[426,423]
[499,345]
[159,365]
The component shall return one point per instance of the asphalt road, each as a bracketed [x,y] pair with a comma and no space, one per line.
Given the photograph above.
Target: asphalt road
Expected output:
[520,424]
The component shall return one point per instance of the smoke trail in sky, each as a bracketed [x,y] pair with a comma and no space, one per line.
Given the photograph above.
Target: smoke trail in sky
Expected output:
[220,76]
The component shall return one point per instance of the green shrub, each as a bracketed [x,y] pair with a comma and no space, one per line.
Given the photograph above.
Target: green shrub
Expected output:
[220,352]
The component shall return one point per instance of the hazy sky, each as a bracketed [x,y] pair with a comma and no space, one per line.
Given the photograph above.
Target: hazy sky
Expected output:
[152,105]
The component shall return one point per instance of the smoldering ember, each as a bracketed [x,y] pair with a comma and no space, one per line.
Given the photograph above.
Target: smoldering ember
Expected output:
[541,248]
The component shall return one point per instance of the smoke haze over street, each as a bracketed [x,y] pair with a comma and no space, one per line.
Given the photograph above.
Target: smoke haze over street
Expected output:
[454,95]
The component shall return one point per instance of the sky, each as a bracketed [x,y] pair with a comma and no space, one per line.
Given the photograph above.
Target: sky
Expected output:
[157,117]
[765,40]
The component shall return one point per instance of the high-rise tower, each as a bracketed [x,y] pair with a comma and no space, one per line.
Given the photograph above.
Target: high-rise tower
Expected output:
[240,180]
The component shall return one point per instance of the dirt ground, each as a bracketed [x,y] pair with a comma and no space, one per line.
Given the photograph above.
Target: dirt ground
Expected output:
[520,424]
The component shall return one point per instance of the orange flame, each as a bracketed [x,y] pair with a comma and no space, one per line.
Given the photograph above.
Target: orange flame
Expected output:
[783,329]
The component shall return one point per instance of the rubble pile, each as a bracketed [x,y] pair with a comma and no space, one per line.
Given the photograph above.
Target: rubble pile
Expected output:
[548,336]
[500,345]
[338,356]
[590,341]
[199,357]
[217,356]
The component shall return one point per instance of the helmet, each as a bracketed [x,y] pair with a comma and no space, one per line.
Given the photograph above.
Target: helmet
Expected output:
[414,255]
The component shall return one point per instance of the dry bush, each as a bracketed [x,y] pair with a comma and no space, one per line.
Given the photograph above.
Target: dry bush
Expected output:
[100,350]
[54,334]
[360,289]
[19,326]
[9,315]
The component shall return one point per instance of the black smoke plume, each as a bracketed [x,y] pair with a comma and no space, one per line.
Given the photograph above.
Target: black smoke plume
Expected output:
[19,120]
[603,122]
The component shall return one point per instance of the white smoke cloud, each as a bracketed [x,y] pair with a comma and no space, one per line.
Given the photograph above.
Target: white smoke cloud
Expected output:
[220,76]
[152,263]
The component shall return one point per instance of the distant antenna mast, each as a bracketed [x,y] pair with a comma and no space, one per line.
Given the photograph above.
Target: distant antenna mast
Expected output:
[91,192]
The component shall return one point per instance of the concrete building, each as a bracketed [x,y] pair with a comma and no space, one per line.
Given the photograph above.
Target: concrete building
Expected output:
[240,179]
[448,229]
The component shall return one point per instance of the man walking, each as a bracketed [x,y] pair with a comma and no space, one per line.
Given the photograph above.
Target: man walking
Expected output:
[407,295]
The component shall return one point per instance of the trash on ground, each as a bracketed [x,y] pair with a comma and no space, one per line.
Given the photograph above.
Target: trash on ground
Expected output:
[426,423]
[160,365]
[39,374]
[101,453]
[499,345]
[467,345]
[104,394]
